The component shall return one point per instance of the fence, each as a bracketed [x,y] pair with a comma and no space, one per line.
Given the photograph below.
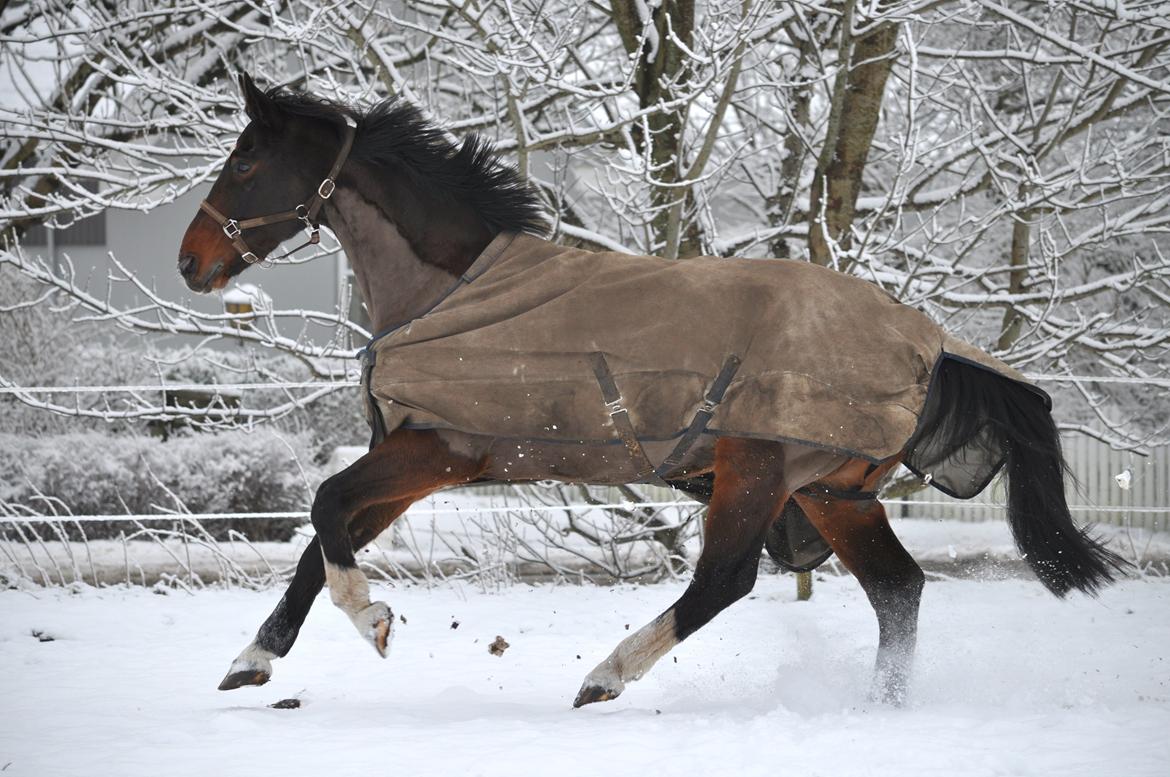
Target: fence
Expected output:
[1113,487]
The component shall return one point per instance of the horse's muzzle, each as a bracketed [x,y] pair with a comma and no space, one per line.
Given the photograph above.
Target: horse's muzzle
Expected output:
[189,269]
[188,263]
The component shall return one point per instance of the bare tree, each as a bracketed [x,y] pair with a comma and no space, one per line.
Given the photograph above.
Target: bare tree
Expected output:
[999,163]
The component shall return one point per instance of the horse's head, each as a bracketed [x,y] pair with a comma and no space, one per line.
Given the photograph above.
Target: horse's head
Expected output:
[272,185]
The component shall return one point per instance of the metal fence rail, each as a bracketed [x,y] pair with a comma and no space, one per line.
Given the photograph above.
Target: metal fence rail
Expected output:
[1096,496]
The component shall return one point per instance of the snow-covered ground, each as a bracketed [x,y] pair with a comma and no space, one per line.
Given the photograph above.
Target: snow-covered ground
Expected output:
[1010,681]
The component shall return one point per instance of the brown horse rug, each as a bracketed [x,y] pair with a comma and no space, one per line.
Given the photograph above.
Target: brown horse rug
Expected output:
[542,342]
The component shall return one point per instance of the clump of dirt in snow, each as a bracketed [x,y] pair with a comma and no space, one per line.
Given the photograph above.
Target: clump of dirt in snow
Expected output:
[286,704]
[498,646]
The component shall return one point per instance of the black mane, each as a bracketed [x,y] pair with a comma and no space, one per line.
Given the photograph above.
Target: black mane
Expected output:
[394,132]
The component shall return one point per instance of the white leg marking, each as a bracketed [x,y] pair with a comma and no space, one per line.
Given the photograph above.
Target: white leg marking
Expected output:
[348,588]
[634,656]
[350,591]
[253,659]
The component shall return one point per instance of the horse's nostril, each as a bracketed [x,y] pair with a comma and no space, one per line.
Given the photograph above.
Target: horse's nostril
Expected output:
[187,264]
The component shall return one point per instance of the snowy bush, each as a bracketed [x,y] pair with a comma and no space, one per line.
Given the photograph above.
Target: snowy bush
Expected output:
[95,474]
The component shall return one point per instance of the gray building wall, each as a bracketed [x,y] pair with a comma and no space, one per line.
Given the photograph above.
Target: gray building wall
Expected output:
[148,245]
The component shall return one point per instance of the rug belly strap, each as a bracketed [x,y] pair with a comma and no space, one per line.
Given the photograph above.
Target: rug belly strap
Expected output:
[848,494]
[706,411]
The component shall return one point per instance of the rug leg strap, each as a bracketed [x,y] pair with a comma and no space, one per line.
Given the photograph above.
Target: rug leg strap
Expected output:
[620,417]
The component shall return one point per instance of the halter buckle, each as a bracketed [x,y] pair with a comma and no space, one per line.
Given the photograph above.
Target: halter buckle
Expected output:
[231,228]
[326,189]
[311,229]
[250,257]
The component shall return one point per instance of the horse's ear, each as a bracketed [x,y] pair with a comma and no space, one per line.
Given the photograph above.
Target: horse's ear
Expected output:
[259,106]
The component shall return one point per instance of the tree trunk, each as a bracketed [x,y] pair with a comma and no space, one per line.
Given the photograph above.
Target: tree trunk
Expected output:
[853,119]
[1012,322]
[661,71]
[782,203]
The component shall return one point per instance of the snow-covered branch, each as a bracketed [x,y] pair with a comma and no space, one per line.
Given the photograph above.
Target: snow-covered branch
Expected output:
[1004,166]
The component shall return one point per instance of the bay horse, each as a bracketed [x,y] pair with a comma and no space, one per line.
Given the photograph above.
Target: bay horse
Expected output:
[412,212]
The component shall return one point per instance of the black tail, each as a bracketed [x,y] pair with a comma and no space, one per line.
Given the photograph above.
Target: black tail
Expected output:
[976,421]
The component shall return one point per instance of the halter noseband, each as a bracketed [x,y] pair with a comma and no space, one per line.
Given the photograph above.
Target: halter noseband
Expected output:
[306,212]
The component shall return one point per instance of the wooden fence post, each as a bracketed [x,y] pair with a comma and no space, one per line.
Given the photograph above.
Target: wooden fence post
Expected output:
[803,586]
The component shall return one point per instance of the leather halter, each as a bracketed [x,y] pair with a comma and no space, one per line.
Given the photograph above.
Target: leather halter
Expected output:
[306,212]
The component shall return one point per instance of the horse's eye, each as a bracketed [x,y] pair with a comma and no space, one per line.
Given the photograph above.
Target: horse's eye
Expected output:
[242,167]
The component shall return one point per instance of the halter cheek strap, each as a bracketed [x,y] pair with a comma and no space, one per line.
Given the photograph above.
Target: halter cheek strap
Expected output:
[306,212]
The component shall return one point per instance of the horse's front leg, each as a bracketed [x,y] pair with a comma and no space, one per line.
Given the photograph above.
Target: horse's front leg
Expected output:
[279,631]
[350,510]
[407,466]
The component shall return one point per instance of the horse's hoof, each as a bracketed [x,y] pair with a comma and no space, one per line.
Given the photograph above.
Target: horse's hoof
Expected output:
[247,677]
[602,684]
[594,693]
[252,667]
[382,637]
[376,625]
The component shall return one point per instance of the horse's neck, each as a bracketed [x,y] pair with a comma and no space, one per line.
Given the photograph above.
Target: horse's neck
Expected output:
[392,252]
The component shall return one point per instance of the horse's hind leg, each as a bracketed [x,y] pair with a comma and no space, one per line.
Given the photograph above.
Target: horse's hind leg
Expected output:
[749,490]
[860,535]
[279,631]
